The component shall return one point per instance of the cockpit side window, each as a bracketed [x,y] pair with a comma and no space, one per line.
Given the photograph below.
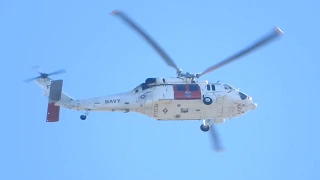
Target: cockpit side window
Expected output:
[144,86]
[208,87]
[213,87]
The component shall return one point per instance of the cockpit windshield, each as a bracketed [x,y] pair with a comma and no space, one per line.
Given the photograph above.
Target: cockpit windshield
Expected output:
[228,87]
[142,87]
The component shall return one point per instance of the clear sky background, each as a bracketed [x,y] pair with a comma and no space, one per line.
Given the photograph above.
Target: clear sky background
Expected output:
[102,55]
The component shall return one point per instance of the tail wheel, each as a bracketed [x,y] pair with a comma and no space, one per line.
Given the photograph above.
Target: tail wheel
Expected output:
[83,117]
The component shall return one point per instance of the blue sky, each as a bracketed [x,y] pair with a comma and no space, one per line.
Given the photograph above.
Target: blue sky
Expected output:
[278,140]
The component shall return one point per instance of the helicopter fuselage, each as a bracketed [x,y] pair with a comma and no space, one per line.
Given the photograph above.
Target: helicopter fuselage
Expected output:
[178,98]
[171,99]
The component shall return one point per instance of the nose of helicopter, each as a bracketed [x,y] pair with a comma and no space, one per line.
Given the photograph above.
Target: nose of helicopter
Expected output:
[253,106]
[248,101]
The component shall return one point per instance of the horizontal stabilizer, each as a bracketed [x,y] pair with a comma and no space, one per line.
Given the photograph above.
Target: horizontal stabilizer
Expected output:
[53,111]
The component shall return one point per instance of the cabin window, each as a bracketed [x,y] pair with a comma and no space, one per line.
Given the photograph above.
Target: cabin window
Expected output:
[213,87]
[208,87]
[181,87]
[193,87]
[187,91]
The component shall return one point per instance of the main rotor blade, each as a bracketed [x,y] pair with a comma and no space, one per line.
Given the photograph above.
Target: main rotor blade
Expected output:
[254,46]
[215,140]
[153,43]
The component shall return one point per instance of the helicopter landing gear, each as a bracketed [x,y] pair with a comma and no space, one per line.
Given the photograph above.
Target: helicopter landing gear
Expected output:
[207,100]
[205,126]
[84,117]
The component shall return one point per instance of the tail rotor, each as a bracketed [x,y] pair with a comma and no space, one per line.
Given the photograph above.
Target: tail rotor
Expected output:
[44,75]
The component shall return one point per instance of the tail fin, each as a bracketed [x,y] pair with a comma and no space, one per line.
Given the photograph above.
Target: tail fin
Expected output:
[53,111]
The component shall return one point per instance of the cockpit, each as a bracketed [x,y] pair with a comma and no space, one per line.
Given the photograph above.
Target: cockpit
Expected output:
[219,87]
[141,87]
[228,87]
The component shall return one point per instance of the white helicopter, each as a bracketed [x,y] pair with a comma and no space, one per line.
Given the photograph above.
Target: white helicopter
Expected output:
[162,98]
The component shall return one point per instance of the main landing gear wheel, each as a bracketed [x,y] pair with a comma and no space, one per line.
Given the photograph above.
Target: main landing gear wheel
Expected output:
[83,117]
[207,101]
[204,128]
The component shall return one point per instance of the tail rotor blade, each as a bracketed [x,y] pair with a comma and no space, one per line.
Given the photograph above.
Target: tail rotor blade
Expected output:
[152,42]
[44,75]
[37,69]
[57,72]
[31,79]
[265,40]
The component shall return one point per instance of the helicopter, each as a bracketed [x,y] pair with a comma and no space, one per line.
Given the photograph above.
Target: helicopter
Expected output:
[178,98]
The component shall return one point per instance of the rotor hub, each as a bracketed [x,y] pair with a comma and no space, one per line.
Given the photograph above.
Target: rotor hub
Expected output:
[44,75]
